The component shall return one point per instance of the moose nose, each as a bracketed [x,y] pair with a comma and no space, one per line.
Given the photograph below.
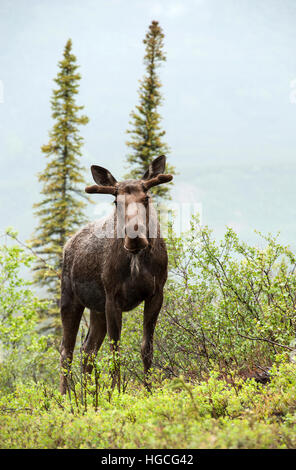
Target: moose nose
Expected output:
[135,239]
[135,229]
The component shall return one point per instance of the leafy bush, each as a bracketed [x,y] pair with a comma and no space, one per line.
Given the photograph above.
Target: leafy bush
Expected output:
[227,305]
[229,311]
[24,353]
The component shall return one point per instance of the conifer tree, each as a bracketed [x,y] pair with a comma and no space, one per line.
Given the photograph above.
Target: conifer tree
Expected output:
[146,134]
[61,211]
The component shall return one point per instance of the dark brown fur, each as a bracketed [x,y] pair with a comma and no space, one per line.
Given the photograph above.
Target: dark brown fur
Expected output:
[100,273]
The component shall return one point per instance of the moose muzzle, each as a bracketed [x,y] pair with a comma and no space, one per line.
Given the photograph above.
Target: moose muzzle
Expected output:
[135,239]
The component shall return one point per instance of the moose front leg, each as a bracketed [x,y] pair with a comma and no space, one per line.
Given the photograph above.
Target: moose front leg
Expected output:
[114,323]
[94,339]
[151,311]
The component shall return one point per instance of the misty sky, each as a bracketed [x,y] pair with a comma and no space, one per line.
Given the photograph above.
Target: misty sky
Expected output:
[228,112]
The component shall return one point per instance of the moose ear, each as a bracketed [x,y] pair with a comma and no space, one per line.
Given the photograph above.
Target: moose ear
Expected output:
[155,168]
[102,176]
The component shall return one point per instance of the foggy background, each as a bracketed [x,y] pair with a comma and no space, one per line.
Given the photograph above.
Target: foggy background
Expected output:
[228,110]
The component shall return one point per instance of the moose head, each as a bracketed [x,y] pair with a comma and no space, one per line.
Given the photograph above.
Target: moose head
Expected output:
[132,201]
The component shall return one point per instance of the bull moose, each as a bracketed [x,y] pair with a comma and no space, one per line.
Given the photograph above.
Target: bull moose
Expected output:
[112,265]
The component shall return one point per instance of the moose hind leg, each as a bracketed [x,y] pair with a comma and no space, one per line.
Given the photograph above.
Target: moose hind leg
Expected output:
[95,337]
[71,313]
[151,311]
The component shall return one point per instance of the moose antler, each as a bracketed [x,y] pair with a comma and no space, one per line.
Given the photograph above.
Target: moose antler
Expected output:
[101,189]
[157,180]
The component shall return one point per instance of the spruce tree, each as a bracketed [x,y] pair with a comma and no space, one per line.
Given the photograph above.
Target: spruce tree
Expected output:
[61,211]
[146,134]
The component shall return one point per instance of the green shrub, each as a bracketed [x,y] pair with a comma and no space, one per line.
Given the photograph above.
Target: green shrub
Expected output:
[25,354]
[229,310]
[227,305]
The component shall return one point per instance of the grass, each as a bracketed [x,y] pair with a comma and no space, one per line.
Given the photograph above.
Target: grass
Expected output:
[209,414]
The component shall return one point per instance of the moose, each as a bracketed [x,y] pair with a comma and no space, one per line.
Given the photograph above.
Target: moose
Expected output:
[112,265]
